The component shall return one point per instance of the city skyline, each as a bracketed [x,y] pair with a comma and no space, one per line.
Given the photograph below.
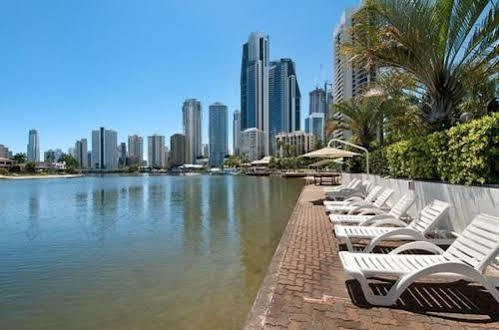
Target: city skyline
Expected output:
[64,102]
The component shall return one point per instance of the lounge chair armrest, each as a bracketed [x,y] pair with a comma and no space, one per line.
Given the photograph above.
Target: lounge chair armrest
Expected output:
[354,198]
[391,221]
[358,207]
[395,232]
[418,245]
[371,210]
[373,220]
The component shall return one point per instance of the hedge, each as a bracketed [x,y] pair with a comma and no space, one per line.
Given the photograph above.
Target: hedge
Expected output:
[465,154]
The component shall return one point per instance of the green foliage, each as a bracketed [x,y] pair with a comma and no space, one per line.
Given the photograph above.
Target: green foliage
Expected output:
[70,161]
[4,171]
[19,158]
[133,169]
[235,161]
[465,154]
[378,162]
[30,167]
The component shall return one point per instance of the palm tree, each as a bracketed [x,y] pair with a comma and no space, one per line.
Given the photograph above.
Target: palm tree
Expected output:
[442,45]
[363,117]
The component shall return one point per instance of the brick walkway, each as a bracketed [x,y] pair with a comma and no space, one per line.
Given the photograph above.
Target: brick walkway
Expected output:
[305,287]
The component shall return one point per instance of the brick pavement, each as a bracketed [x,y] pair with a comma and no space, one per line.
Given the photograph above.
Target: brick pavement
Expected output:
[305,287]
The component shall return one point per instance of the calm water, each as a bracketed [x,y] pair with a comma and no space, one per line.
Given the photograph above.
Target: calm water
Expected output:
[137,252]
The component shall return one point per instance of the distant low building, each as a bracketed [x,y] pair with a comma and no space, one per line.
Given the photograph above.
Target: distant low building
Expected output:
[6,163]
[253,143]
[4,151]
[294,144]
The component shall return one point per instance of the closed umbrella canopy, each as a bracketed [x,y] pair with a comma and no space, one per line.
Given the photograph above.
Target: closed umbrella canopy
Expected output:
[329,152]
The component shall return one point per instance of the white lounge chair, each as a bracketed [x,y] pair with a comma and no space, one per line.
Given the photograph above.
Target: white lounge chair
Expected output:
[342,186]
[370,197]
[357,207]
[416,230]
[467,257]
[398,210]
[357,189]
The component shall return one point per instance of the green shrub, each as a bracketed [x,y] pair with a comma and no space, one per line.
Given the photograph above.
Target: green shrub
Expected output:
[4,171]
[378,162]
[465,154]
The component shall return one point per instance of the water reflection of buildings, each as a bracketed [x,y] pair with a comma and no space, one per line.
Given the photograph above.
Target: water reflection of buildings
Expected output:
[104,210]
[218,215]
[193,216]
[33,228]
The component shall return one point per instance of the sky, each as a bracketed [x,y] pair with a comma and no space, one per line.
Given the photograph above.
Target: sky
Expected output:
[70,66]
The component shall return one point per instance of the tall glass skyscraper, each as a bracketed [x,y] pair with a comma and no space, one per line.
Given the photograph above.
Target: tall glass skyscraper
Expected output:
[255,85]
[81,153]
[218,134]
[104,149]
[33,152]
[191,111]
[236,132]
[285,99]
[135,149]
[156,151]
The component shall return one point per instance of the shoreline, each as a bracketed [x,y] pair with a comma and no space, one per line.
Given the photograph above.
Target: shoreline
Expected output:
[51,176]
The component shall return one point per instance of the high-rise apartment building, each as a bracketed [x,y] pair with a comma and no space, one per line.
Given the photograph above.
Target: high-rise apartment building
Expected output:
[104,149]
[177,150]
[252,145]
[294,144]
[135,150]
[236,132]
[52,156]
[156,151]
[255,86]
[81,153]
[122,154]
[218,134]
[349,81]
[314,124]
[33,152]
[192,117]
[4,151]
[318,101]
[285,99]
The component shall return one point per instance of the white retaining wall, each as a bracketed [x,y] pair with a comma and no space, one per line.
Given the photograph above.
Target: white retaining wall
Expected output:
[465,201]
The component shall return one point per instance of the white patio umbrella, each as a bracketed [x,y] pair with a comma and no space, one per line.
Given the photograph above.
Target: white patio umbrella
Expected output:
[329,152]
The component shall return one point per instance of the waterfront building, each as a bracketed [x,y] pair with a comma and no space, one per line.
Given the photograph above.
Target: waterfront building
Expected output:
[4,151]
[218,134]
[294,144]
[122,154]
[236,132]
[33,149]
[252,145]
[156,151]
[285,99]
[135,150]
[255,87]
[89,159]
[104,149]
[318,101]
[206,150]
[177,150]
[192,117]
[314,124]
[349,81]
[81,152]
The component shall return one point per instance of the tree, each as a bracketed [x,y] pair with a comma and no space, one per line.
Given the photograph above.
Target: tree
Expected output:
[70,162]
[19,158]
[30,167]
[318,144]
[444,46]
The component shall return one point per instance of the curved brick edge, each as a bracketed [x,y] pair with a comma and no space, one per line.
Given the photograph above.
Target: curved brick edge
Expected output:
[261,305]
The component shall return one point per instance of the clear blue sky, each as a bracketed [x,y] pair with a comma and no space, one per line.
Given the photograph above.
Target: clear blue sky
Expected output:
[70,66]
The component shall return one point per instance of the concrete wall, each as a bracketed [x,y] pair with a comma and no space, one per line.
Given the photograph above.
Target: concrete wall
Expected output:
[465,201]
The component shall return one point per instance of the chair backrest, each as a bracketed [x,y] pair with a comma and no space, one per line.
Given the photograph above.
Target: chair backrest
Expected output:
[356,185]
[373,193]
[352,183]
[429,216]
[403,205]
[478,244]
[381,200]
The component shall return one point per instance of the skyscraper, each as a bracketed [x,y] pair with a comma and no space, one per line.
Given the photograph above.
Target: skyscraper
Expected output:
[177,150]
[349,81]
[4,151]
[255,86]
[135,149]
[156,151]
[33,152]
[104,149]
[122,154]
[218,134]
[252,143]
[314,124]
[236,132]
[317,103]
[285,99]
[81,152]
[191,111]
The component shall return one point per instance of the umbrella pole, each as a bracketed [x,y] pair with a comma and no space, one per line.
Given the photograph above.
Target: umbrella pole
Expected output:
[354,146]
